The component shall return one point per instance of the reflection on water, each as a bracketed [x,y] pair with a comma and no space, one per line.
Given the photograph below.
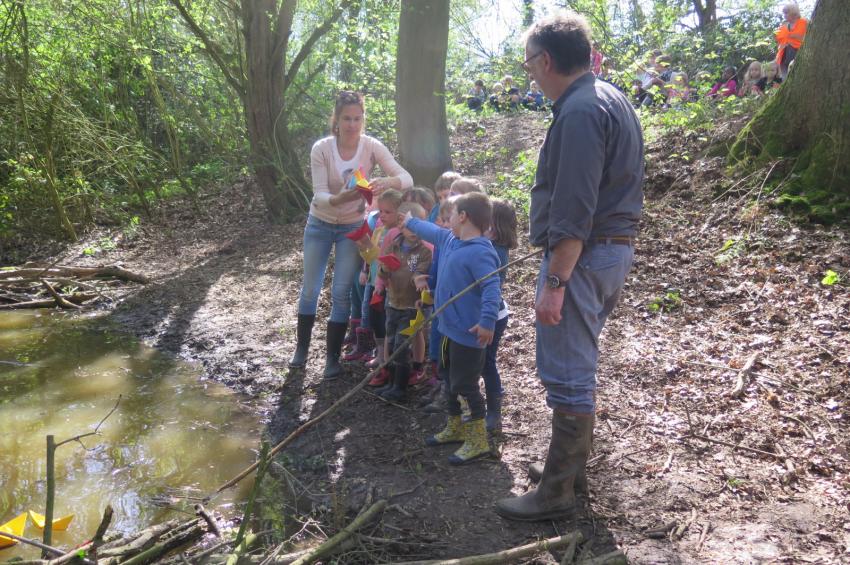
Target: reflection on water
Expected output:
[61,375]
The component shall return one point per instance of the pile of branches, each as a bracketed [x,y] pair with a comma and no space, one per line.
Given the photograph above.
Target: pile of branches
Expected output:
[72,288]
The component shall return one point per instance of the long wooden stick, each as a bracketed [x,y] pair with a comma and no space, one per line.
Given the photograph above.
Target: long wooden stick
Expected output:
[508,555]
[362,520]
[347,396]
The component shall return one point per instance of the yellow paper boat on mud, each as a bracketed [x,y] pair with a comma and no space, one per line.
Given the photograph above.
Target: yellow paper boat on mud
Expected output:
[59,524]
[15,526]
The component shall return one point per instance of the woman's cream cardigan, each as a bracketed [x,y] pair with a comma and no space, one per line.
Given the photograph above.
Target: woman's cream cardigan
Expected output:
[327,180]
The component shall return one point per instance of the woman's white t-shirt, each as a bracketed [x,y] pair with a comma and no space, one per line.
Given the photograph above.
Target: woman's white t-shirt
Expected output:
[346,168]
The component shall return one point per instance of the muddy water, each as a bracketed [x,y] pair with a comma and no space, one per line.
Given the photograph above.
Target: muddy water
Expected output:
[171,433]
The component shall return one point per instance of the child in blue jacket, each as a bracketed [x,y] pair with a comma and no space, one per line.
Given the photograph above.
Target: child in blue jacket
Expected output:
[466,255]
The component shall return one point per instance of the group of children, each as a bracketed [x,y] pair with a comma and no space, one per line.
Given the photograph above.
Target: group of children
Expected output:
[505,95]
[421,249]
[672,87]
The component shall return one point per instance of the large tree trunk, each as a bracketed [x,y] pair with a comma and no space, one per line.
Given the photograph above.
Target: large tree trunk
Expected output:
[706,14]
[809,119]
[277,170]
[423,137]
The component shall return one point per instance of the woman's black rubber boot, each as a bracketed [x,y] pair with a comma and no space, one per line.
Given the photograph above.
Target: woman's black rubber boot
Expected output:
[336,335]
[303,333]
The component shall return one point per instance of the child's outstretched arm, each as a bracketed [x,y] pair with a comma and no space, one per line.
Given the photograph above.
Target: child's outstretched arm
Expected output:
[429,232]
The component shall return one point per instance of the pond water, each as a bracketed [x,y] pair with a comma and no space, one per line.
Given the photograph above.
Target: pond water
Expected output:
[171,435]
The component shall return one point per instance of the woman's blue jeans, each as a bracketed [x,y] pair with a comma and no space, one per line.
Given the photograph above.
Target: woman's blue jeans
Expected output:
[319,238]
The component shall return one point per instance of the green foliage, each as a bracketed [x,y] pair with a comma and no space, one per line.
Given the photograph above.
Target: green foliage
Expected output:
[668,302]
[515,185]
[731,249]
[830,278]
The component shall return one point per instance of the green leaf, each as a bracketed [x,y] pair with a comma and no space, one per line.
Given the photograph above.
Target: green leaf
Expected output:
[830,278]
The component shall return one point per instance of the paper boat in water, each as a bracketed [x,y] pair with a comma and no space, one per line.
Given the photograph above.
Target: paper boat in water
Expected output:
[59,524]
[14,526]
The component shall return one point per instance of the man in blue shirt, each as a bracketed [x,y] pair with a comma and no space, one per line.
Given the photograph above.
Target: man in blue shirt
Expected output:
[585,208]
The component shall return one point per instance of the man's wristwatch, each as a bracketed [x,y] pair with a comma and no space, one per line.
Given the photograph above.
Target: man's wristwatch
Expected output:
[554,281]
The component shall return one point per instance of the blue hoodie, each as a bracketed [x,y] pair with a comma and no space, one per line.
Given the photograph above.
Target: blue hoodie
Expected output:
[462,262]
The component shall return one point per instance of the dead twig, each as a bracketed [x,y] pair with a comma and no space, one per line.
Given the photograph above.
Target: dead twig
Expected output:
[328,547]
[744,376]
[734,446]
[508,555]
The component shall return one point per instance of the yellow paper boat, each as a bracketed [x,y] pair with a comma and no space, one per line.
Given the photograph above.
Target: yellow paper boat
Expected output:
[59,524]
[14,526]
[415,324]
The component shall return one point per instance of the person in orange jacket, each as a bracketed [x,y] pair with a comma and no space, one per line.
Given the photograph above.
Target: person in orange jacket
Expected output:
[789,36]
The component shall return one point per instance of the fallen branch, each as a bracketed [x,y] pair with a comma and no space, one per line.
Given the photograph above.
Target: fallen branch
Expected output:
[734,446]
[60,300]
[613,558]
[32,275]
[508,555]
[328,547]
[744,376]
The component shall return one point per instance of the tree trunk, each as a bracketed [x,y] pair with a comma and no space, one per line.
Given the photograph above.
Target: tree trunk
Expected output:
[264,104]
[706,14]
[809,119]
[423,136]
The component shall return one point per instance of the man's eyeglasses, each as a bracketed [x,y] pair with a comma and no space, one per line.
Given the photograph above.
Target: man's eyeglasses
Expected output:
[524,65]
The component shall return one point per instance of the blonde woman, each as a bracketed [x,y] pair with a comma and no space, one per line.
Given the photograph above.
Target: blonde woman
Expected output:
[334,212]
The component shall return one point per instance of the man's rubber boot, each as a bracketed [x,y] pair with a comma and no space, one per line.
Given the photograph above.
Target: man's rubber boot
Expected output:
[535,472]
[452,433]
[555,497]
[336,333]
[398,392]
[475,443]
[493,419]
[303,333]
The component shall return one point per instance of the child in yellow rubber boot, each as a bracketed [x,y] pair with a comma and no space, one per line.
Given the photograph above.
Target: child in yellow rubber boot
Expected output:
[466,256]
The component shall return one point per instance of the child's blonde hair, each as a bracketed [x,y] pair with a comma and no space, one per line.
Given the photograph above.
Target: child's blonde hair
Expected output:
[422,196]
[465,185]
[391,196]
[753,66]
[416,210]
[444,181]
[770,68]
[497,88]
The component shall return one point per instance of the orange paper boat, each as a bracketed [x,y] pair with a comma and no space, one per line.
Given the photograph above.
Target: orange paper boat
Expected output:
[59,524]
[15,526]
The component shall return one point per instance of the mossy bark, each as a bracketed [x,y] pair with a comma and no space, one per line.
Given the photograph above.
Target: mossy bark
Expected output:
[809,120]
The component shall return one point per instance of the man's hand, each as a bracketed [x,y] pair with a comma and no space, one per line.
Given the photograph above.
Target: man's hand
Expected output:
[549,305]
[363,278]
[485,337]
